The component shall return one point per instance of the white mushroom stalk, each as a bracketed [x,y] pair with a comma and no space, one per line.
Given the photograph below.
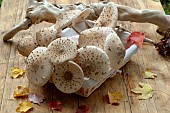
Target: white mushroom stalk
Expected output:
[68,77]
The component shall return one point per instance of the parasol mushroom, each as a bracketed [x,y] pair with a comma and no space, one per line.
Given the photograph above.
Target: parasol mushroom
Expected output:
[38,68]
[68,77]
[61,50]
[94,62]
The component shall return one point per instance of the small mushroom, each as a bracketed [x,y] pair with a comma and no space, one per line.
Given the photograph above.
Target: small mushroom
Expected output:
[38,68]
[26,44]
[68,77]
[94,62]
[46,35]
[108,17]
[95,36]
[115,51]
[61,50]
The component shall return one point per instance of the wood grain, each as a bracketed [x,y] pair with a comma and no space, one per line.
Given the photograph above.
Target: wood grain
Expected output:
[146,57]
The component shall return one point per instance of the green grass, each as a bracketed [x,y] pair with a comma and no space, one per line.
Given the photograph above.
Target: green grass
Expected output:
[0,2]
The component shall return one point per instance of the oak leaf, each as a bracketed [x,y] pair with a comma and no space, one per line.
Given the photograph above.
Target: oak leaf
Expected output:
[145,90]
[55,106]
[36,98]
[148,74]
[135,38]
[21,92]
[24,107]
[82,109]
[17,72]
[114,97]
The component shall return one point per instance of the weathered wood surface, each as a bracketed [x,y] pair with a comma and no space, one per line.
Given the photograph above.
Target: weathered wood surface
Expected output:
[12,12]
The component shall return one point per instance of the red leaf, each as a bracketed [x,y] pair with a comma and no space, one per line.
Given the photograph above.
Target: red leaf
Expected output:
[82,109]
[56,106]
[135,38]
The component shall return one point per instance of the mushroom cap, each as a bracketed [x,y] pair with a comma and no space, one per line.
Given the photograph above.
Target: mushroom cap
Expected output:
[108,17]
[46,35]
[68,77]
[95,36]
[38,68]
[26,44]
[61,50]
[115,51]
[94,62]
[65,19]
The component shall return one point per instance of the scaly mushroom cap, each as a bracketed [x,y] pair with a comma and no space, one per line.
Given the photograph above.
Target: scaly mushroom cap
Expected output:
[61,50]
[68,77]
[95,36]
[46,35]
[115,51]
[65,19]
[94,62]
[38,68]
[108,17]
[26,44]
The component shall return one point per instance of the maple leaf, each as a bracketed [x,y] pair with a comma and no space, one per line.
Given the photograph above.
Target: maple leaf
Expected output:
[36,98]
[17,72]
[56,106]
[24,107]
[145,90]
[148,73]
[21,92]
[135,38]
[82,109]
[114,97]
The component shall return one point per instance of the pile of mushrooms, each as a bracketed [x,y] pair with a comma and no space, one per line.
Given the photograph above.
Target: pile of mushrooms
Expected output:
[83,43]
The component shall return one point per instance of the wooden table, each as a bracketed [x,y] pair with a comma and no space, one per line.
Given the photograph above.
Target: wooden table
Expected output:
[147,57]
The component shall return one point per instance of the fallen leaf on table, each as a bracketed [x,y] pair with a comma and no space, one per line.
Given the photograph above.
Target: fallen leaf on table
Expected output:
[24,107]
[36,98]
[145,90]
[21,92]
[114,97]
[135,38]
[82,109]
[56,106]
[17,72]
[148,74]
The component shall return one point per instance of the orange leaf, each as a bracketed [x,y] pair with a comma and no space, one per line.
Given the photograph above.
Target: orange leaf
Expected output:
[135,38]
[21,92]
[24,107]
[114,97]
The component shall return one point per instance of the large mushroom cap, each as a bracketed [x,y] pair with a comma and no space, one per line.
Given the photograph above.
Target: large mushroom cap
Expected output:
[94,62]
[46,35]
[61,50]
[68,77]
[26,44]
[38,68]
[108,17]
[95,36]
[115,50]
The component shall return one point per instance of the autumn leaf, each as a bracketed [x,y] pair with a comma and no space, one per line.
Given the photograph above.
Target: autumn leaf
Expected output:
[24,107]
[55,106]
[148,74]
[82,109]
[145,90]
[36,98]
[17,72]
[21,92]
[114,97]
[135,38]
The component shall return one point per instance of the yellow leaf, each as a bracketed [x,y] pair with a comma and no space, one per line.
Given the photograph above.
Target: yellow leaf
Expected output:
[114,97]
[17,72]
[21,92]
[145,90]
[148,74]
[24,107]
